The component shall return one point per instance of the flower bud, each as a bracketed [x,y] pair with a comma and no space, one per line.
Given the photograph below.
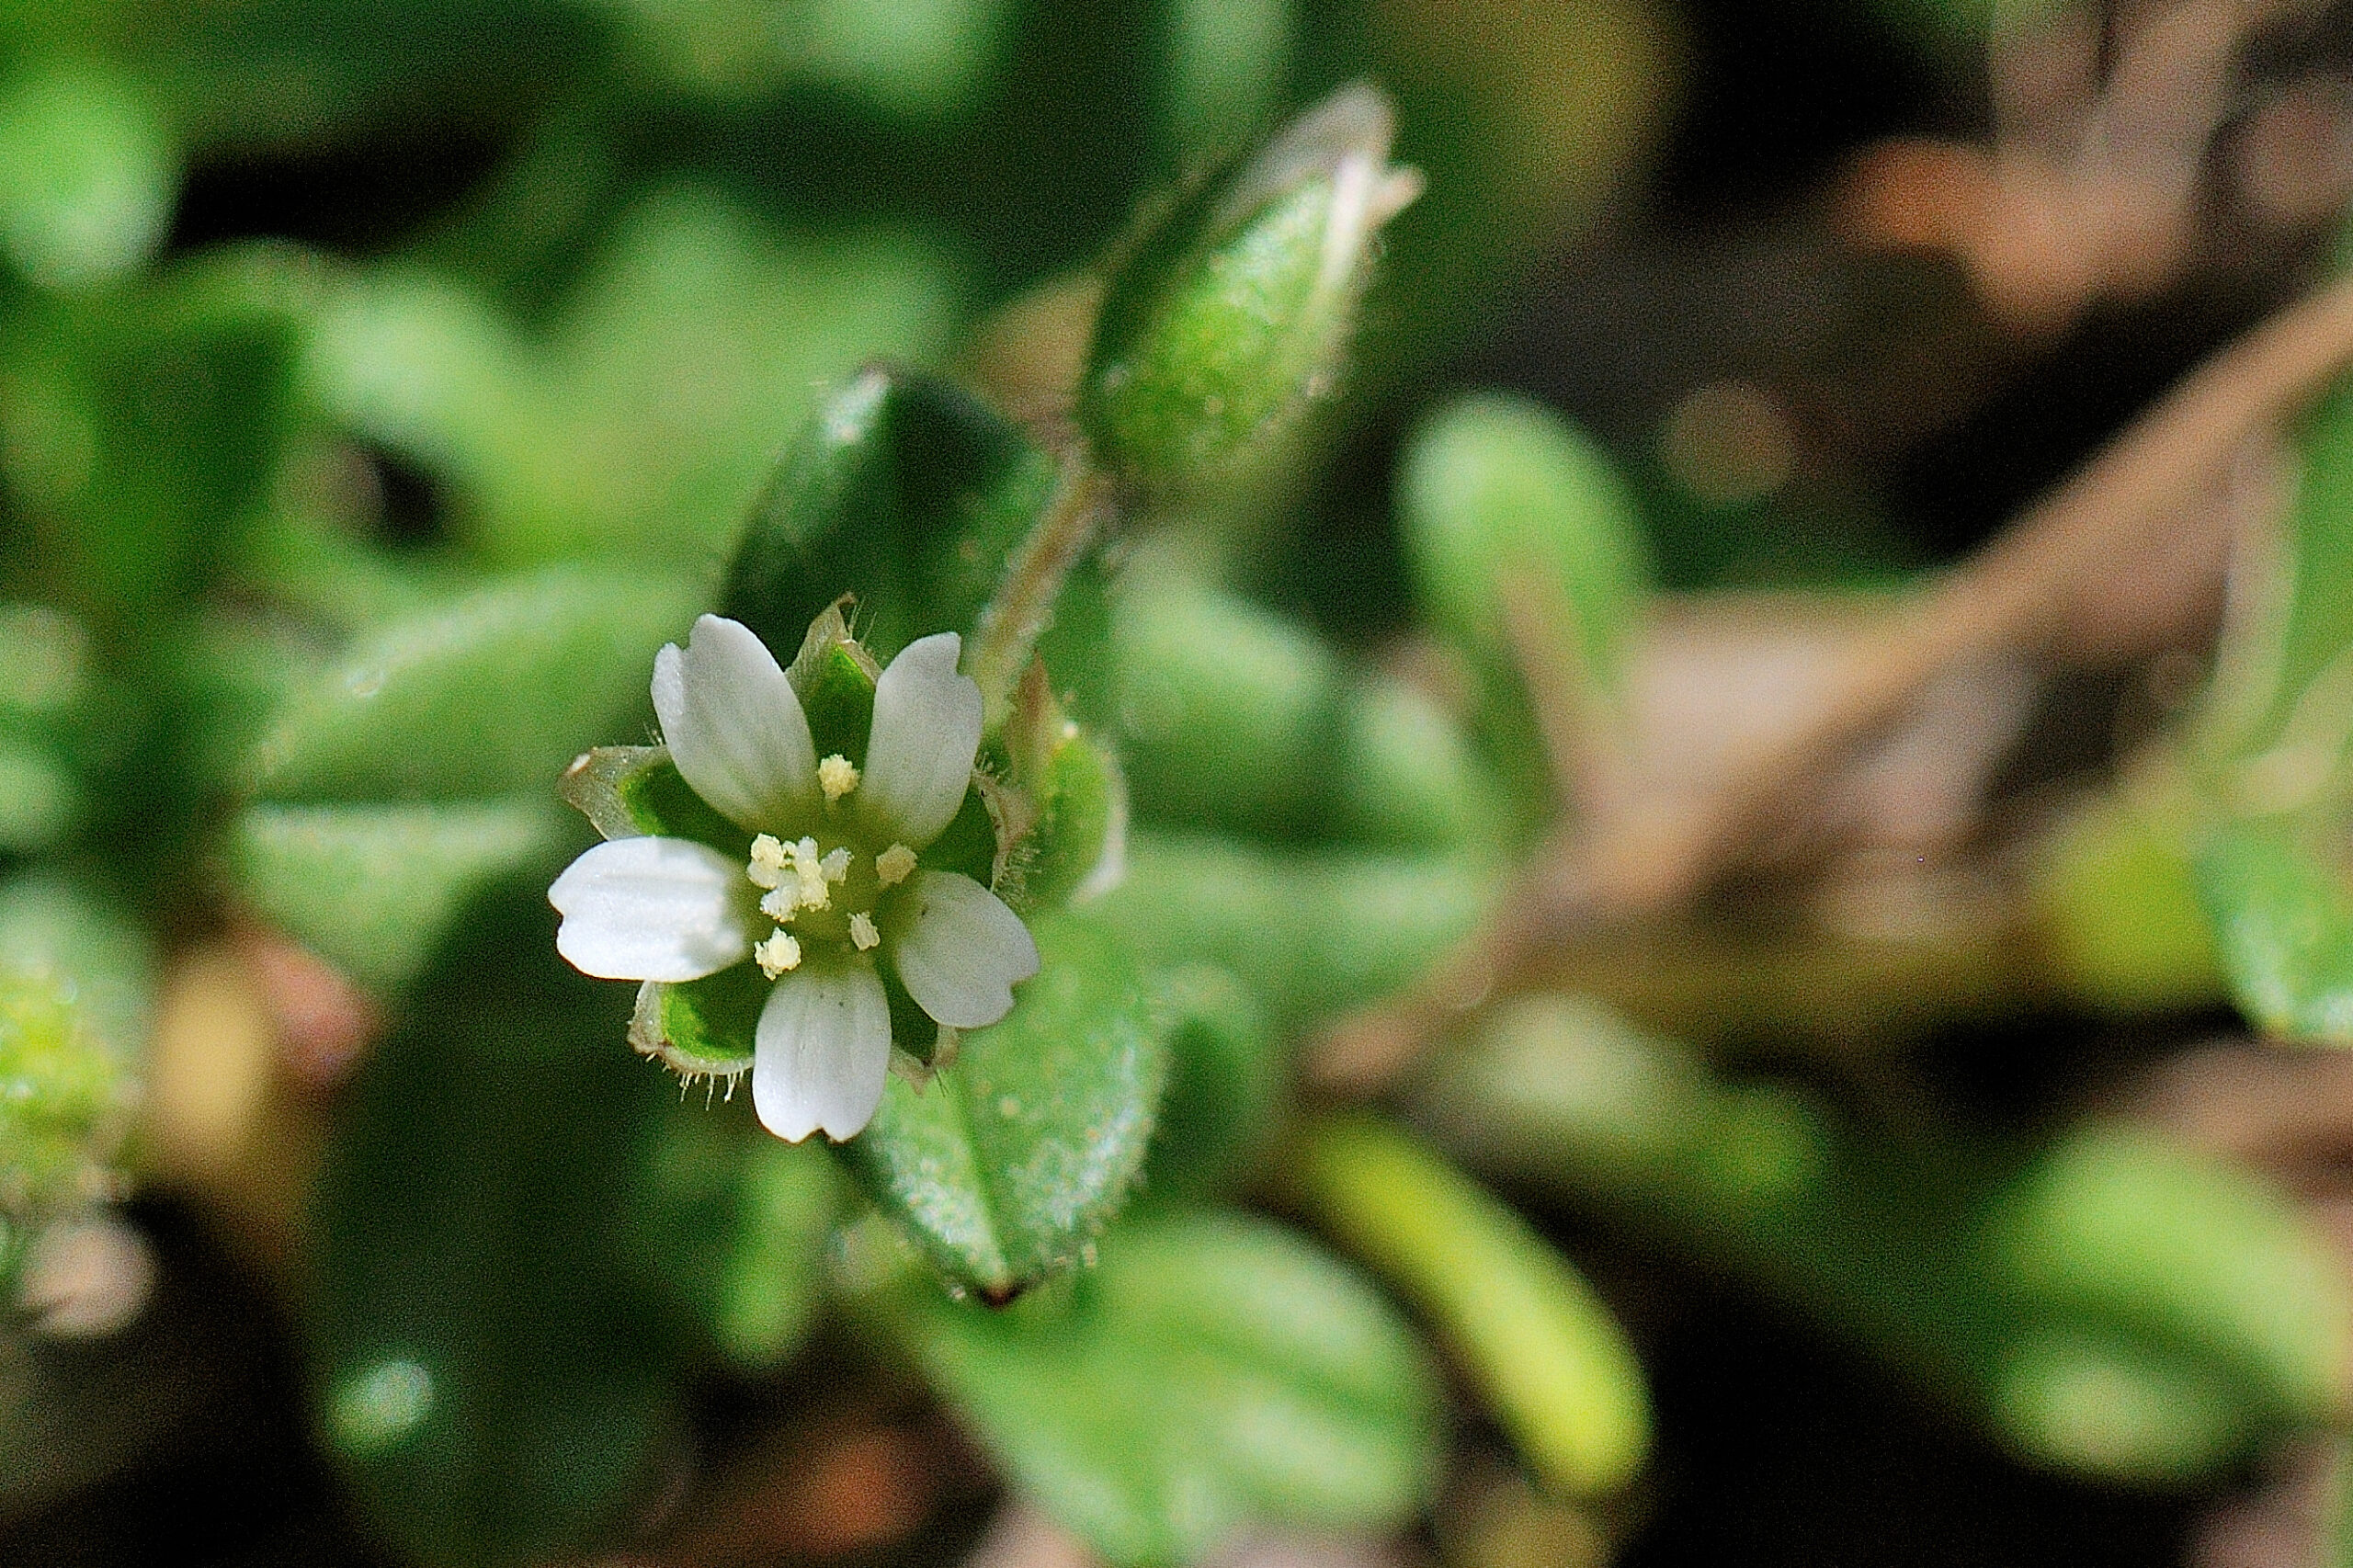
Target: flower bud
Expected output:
[1230,310]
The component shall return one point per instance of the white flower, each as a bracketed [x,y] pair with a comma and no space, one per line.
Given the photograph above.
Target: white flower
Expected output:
[831,878]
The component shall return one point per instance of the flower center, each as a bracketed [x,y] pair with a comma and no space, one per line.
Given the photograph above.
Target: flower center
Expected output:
[819,890]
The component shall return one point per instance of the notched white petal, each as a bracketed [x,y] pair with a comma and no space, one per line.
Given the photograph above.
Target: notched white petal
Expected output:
[919,755]
[649,909]
[962,951]
[735,726]
[821,1052]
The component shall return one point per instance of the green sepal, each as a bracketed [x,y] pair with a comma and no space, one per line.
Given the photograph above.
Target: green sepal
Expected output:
[2282,904]
[834,676]
[1213,1372]
[1065,822]
[969,842]
[637,791]
[701,1028]
[902,490]
[1006,1166]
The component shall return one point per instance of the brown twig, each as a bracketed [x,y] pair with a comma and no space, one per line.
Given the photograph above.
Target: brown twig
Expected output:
[2013,595]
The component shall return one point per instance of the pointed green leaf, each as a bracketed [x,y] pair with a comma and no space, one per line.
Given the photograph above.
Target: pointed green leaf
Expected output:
[902,490]
[1006,1166]
[374,887]
[496,691]
[1213,1372]
[2282,906]
[2113,1303]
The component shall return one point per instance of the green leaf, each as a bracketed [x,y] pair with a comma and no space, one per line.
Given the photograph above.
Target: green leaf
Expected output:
[1213,1372]
[1410,778]
[495,691]
[2118,1222]
[372,887]
[2112,1303]
[637,791]
[2282,909]
[734,1221]
[137,436]
[1229,309]
[1225,1085]
[1501,499]
[902,490]
[489,1371]
[1227,711]
[1010,1162]
[87,174]
[1546,1354]
[1310,931]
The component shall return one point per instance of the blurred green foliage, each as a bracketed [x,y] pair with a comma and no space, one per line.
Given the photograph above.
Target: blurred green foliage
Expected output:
[330,541]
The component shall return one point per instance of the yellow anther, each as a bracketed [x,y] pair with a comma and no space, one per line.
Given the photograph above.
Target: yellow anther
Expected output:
[862,934]
[811,872]
[780,952]
[895,865]
[766,868]
[836,865]
[779,904]
[837,775]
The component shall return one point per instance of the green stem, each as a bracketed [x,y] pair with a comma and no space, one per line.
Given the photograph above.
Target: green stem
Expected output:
[1009,626]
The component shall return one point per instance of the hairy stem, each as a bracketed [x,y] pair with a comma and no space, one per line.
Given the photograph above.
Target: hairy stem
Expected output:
[1009,626]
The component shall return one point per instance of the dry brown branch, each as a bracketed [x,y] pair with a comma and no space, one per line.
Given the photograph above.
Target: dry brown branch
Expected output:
[2013,596]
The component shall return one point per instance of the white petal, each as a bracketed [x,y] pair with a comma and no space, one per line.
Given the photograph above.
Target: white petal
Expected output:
[821,1052]
[649,909]
[963,951]
[919,757]
[735,726]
